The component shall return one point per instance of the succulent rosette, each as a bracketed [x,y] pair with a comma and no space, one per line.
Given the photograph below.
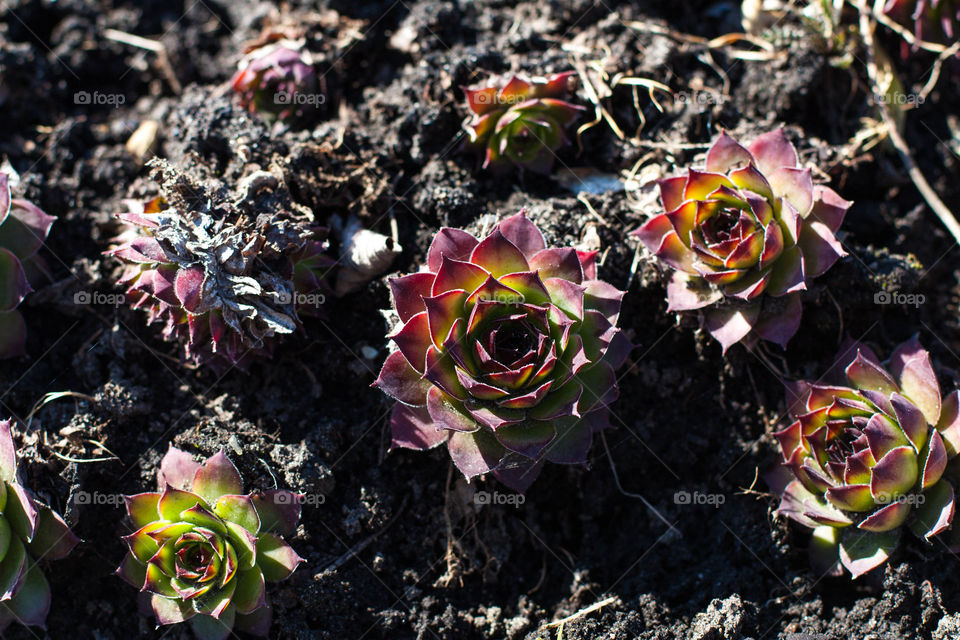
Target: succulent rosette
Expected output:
[30,532]
[523,122]
[23,228]
[278,80]
[744,236]
[867,458]
[506,352]
[224,291]
[932,20]
[202,549]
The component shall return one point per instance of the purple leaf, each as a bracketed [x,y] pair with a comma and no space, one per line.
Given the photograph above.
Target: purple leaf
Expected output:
[13,281]
[279,510]
[452,243]
[413,428]
[726,154]
[177,469]
[25,229]
[523,233]
[400,381]
[730,325]
[773,150]
[910,364]
[475,453]
[408,293]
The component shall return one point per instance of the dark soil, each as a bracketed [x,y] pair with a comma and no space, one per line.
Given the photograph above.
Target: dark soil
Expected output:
[430,562]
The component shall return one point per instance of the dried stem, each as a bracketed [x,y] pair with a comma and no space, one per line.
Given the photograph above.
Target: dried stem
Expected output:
[867,26]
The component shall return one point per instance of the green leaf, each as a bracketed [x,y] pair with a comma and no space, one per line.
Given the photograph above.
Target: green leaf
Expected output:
[276,558]
[861,551]
[238,509]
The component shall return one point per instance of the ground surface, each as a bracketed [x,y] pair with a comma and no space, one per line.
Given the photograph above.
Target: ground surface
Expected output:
[688,420]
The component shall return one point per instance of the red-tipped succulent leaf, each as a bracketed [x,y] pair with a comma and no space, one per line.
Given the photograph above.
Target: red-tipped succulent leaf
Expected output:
[202,550]
[868,457]
[506,352]
[31,533]
[522,122]
[278,80]
[23,229]
[743,236]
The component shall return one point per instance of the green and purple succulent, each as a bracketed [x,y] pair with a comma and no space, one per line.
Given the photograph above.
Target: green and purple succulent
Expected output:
[279,80]
[506,352]
[223,285]
[868,457]
[202,549]
[932,20]
[522,122]
[30,532]
[744,236]
[23,229]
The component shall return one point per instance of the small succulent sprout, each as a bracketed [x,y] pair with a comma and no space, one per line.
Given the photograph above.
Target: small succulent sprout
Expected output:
[522,122]
[744,236]
[222,283]
[30,532]
[506,352]
[278,80]
[202,549]
[867,457]
[23,229]
[932,20]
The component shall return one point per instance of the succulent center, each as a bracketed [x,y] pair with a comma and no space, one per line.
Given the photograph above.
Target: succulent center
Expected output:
[511,341]
[721,226]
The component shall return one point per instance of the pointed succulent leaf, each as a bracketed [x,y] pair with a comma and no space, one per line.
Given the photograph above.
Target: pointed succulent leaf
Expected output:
[177,469]
[250,593]
[143,508]
[240,510]
[910,364]
[936,512]
[413,428]
[173,502]
[276,558]
[279,510]
[31,603]
[13,567]
[861,551]
[207,627]
[25,229]
[8,452]
[216,477]
[53,539]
